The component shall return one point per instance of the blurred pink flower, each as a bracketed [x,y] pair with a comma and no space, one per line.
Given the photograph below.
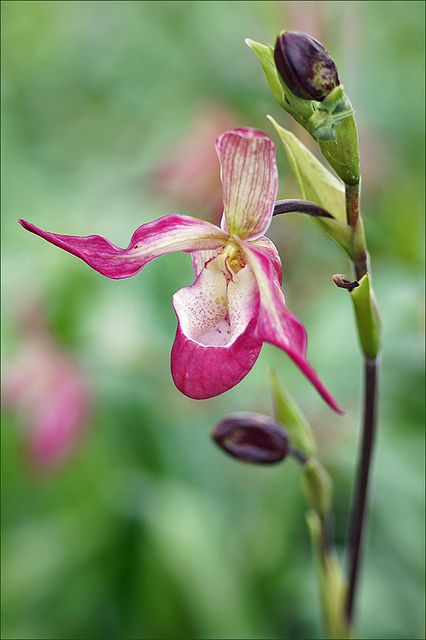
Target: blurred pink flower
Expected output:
[188,176]
[49,391]
[236,302]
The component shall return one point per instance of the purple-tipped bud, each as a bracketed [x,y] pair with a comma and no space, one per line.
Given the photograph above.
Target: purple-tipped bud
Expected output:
[305,66]
[252,437]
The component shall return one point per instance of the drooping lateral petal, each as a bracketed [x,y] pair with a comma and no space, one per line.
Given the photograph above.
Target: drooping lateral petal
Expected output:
[276,324]
[249,178]
[268,247]
[152,240]
[215,345]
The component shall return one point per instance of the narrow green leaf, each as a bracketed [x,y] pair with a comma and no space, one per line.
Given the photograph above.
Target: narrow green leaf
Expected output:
[319,185]
[367,318]
[301,110]
[265,55]
[315,181]
[288,413]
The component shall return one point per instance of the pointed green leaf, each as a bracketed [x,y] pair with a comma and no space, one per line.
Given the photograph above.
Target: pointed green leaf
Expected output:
[265,55]
[300,109]
[367,317]
[315,181]
[318,185]
[288,413]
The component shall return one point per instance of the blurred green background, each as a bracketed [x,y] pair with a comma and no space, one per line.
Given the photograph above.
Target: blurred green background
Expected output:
[148,530]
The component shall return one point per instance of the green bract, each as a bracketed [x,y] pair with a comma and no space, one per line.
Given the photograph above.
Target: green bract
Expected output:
[367,318]
[320,186]
[301,110]
[287,412]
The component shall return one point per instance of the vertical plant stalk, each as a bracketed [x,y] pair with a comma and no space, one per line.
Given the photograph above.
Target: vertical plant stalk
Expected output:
[360,260]
[360,500]
[369,418]
[332,585]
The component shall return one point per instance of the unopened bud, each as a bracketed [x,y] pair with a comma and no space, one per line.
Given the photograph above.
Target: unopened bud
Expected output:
[305,66]
[252,437]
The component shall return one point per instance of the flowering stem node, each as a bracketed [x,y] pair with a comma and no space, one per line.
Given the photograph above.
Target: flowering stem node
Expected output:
[343,282]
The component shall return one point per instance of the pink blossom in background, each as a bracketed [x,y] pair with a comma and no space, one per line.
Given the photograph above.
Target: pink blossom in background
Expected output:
[188,175]
[236,302]
[49,392]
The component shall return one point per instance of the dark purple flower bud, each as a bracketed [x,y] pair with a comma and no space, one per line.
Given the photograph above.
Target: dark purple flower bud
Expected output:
[252,437]
[305,66]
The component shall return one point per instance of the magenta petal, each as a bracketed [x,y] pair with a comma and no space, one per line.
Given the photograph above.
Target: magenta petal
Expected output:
[202,372]
[215,345]
[165,235]
[276,324]
[268,247]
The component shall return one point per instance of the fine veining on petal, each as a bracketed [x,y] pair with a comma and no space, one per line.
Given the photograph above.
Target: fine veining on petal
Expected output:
[215,345]
[152,240]
[249,177]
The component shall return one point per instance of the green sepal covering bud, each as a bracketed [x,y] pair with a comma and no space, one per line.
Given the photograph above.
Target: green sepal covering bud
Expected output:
[335,108]
[367,317]
[288,413]
[317,184]
[330,122]
[317,486]
[341,150]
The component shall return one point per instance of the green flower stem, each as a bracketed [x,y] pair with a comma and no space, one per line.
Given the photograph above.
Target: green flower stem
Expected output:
[331,581]
[352,193]
[341,152]
[353,215]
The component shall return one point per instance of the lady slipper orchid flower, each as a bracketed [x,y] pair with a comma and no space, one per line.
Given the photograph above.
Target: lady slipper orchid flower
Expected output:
[236,302]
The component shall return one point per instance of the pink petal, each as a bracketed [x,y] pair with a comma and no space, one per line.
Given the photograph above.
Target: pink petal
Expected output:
[151,240]
[268,247]
[276,324]
[249,177]
[215,345]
